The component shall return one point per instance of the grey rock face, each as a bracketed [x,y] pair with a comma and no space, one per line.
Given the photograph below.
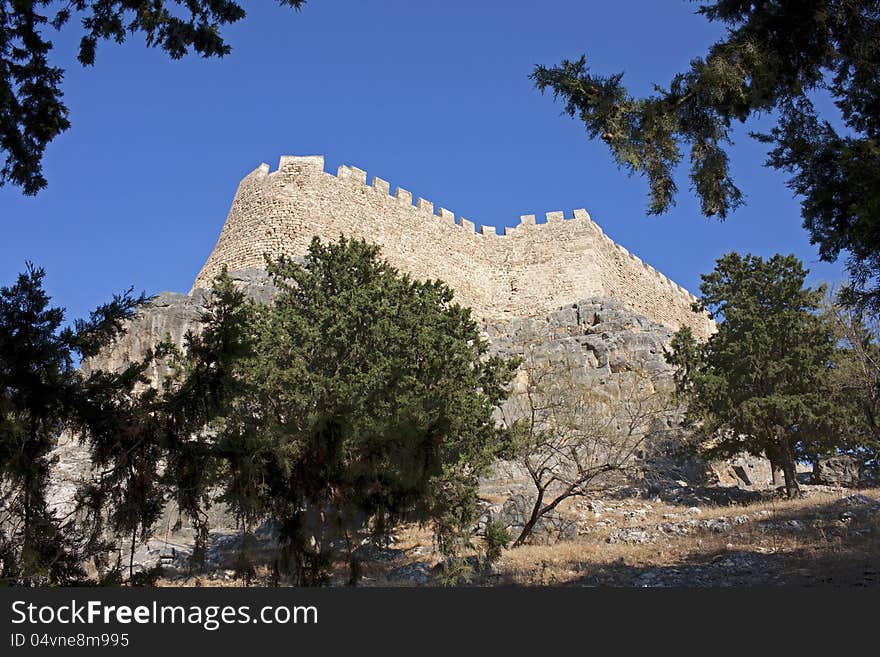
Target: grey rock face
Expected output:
[170,315]
[551,528]
[167,315]
[744,470]
[603,345]
[839,470]
[601,335]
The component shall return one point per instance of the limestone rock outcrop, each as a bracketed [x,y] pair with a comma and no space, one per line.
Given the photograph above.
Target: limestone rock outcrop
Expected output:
[602,336]
[169,315]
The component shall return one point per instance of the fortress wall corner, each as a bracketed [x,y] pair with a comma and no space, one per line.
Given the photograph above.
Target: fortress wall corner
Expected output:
[257,213]
[651,293]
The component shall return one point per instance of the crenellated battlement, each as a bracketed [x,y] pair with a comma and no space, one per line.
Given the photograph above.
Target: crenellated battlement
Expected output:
[525,270]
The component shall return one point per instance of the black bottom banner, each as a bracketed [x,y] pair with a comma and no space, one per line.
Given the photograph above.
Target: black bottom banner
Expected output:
[403,621]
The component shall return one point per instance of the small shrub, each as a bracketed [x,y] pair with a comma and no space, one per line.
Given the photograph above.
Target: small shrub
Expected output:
[496,538]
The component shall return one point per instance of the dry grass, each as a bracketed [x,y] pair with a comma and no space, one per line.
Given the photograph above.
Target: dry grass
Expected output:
[821,547]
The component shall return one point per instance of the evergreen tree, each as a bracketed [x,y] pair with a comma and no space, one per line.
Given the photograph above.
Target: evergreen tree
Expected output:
[119,419]
[359,397]
[32,112]
[41,395]
[777,58]
[200,403]
[359,394]
[761,383]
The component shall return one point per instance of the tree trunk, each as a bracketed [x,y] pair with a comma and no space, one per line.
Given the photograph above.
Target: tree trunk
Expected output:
[131,553]
[778,479]
[789,469]
[26,540]
[532,521]
[775,466]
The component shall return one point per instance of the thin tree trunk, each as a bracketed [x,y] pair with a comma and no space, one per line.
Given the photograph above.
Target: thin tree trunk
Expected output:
[26,540]
[775,467]
[131,553]
[778,477]
[789,469]
[539,512]
[532,521]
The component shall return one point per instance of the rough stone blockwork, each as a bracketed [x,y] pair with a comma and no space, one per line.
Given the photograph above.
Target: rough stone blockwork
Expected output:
[530,270]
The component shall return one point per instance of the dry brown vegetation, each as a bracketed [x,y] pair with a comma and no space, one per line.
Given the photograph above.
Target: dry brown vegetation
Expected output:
[825,547]
[829,537]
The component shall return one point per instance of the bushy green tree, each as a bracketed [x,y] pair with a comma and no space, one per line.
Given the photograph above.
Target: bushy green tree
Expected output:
[761,383]
[202,405]
[357,398]
[42,394]
[32,112]
[776,59]
[361,394]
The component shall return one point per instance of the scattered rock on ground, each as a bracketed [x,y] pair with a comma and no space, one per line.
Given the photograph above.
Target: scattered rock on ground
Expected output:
[418,572]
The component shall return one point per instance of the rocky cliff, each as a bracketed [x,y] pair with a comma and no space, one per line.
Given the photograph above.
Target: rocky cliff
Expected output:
[602,336]
[604,339]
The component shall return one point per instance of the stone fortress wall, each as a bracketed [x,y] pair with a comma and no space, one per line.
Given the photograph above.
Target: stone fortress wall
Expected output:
[530,270]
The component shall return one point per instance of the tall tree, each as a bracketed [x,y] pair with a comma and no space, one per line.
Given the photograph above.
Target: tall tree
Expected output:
[41,395]
[762,382]
[777,58]
[150,439]
[208,387]
[32,112]
[357,398]
[119,418]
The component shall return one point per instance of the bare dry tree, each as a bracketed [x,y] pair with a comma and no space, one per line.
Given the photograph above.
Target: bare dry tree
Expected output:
[856,375]
[574,440]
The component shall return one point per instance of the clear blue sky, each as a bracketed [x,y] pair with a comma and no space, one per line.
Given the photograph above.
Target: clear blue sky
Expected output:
[432,96]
